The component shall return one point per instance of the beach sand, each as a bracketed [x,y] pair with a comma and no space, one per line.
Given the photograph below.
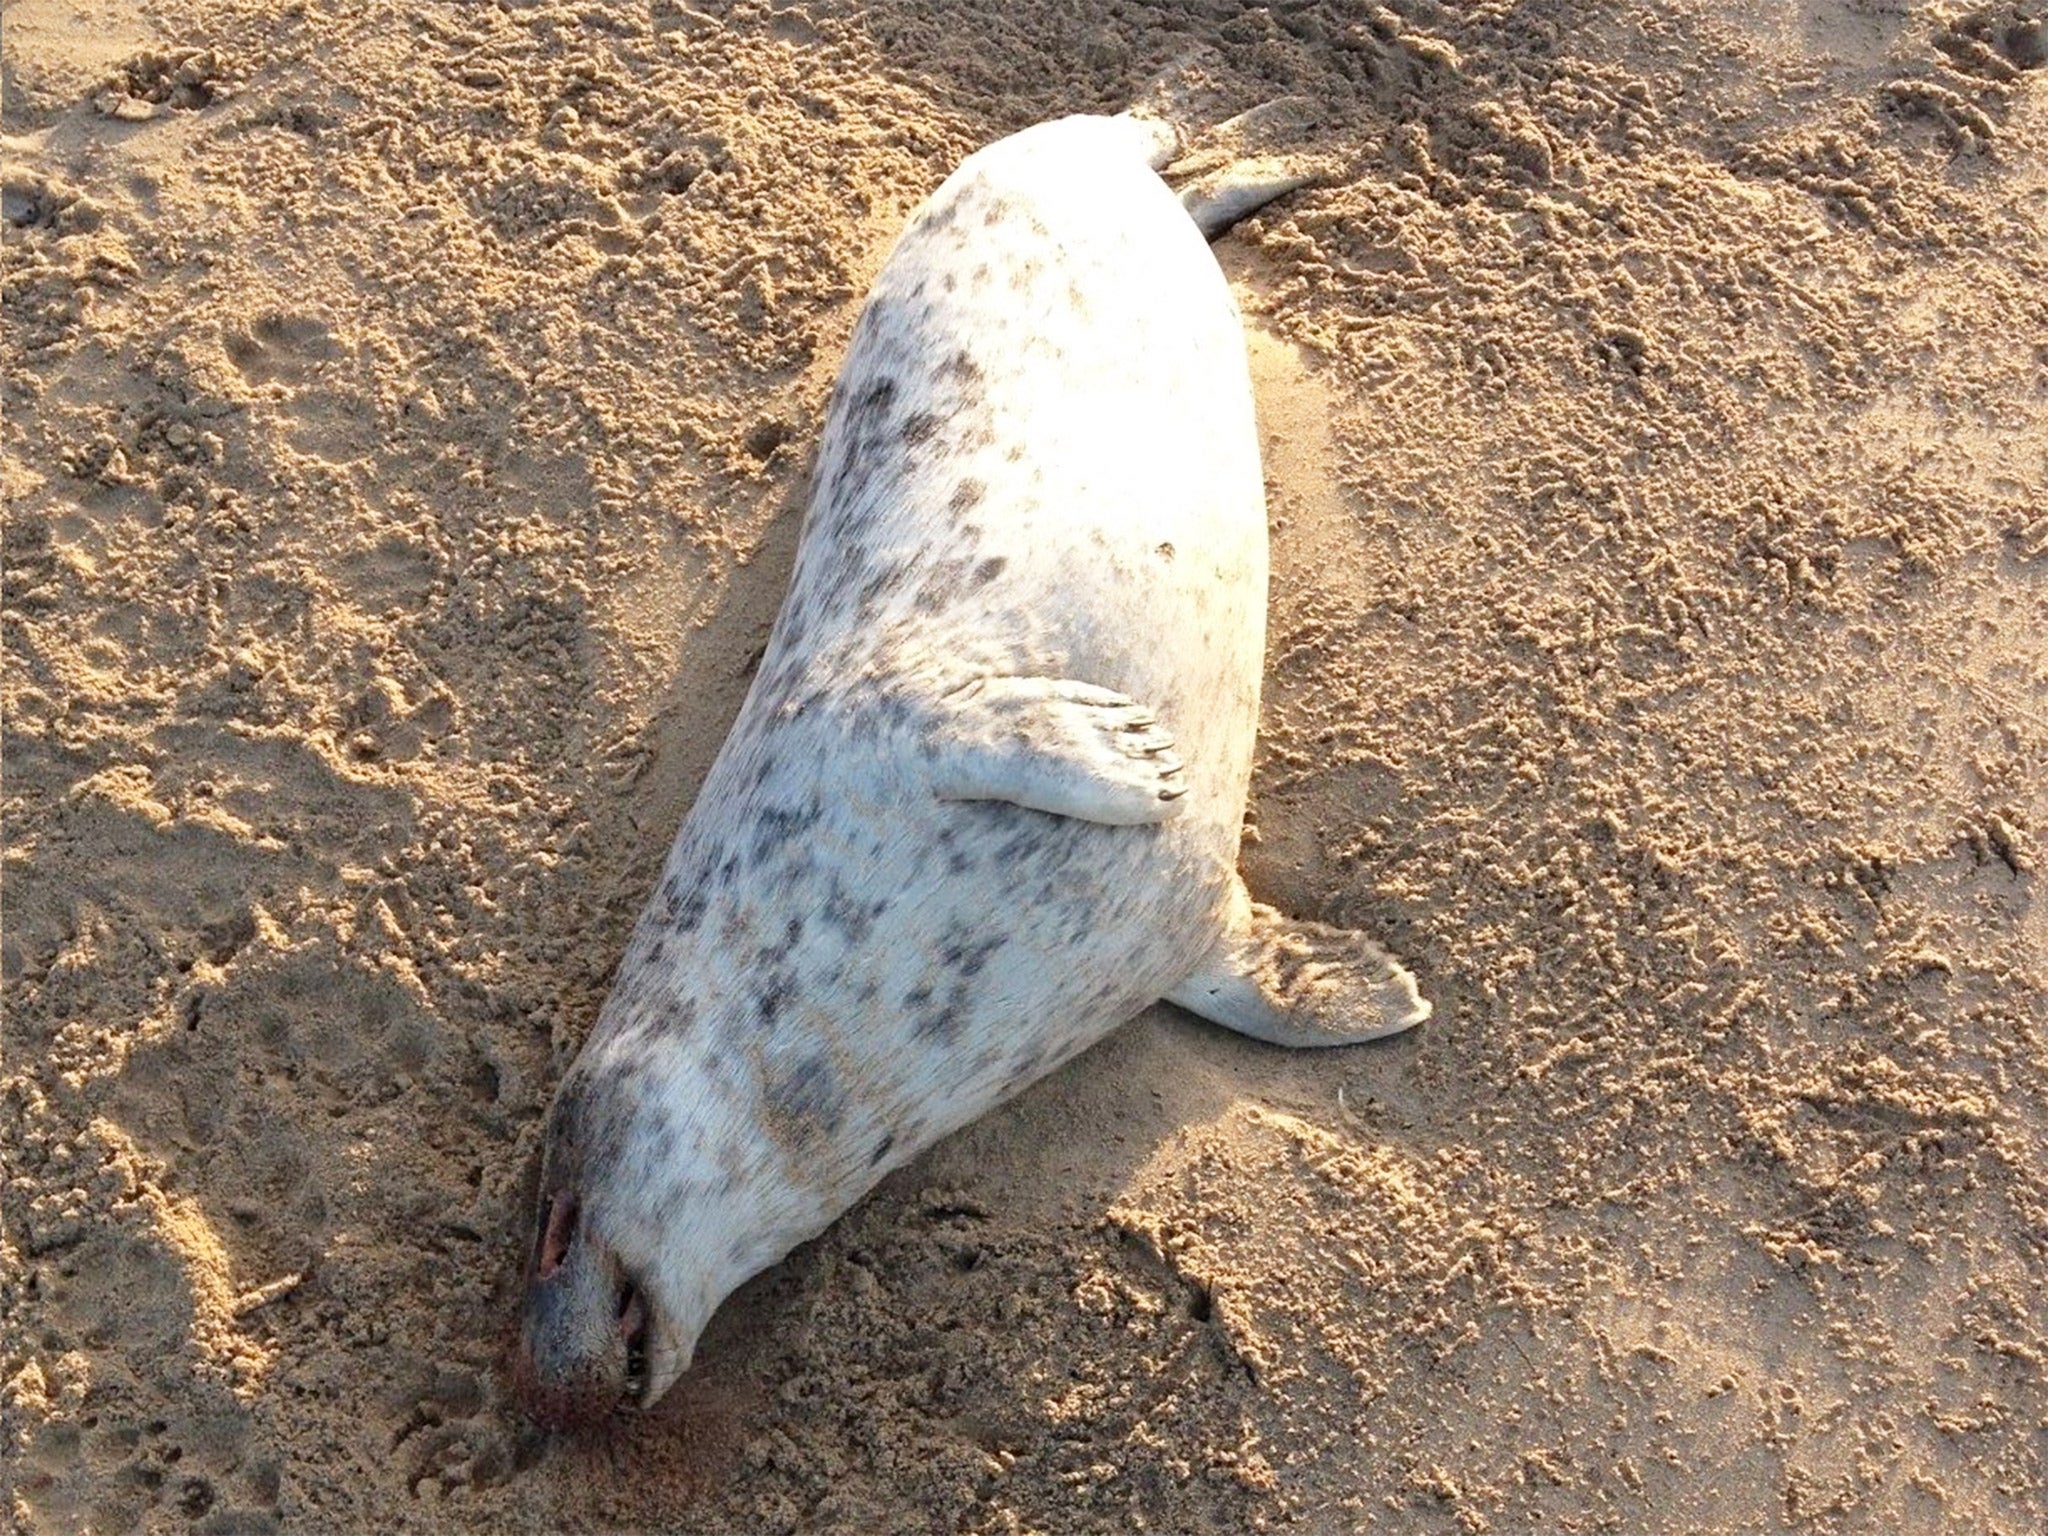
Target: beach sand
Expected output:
[406,418]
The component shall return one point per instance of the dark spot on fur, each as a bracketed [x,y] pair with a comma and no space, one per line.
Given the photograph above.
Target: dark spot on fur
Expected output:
[882,1149]
[833,485]
[959,860]
[1025,840]
[587,1126]
[941,1021]
[781,680]
[852,920]
[966,955]
[876,398]
[998,210]
[989,570]
[966,494]
[919,427]
[774,996]
[1166,552]
[809,1095]
[685,910]
[942,1018]
[778,826]
[963,368]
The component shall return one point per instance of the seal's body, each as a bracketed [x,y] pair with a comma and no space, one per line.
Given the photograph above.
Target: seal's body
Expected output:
[949,843]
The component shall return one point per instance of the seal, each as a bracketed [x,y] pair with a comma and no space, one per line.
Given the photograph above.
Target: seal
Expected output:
[982,803]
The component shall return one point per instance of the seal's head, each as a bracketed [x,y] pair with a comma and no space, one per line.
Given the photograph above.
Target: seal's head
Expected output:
[601,1326]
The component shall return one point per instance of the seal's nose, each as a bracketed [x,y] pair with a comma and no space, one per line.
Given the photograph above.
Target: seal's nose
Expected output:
[581,1326]
[557,1232]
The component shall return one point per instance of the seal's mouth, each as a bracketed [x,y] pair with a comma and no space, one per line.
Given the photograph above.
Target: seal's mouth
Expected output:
[635,1319]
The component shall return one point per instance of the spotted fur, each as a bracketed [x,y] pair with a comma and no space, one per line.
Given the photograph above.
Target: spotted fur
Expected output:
[1039,462]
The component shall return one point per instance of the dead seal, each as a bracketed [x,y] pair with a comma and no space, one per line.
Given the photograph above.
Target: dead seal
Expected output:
[982,803]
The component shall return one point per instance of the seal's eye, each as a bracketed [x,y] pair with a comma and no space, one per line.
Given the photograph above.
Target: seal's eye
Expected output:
[558,1233]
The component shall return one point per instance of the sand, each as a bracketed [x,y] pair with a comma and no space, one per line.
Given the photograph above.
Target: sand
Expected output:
[406,417]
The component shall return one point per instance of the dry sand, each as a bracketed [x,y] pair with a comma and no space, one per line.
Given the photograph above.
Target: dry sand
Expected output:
[406,417]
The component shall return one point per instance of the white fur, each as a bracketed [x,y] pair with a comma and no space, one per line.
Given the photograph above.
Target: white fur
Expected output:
[1040,464]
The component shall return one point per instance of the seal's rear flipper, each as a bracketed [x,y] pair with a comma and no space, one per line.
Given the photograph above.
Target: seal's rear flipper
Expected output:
[1240,165]
[1298,983]
[1221,198]
[1052,744]
[1233,169]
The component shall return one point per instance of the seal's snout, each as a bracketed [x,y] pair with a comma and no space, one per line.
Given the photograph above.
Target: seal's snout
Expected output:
[583,1346]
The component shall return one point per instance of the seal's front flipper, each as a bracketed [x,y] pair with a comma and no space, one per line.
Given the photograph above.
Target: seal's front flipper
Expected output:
[1051,744]
[1298,983]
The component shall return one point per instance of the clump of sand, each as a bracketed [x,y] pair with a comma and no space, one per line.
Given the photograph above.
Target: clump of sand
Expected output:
[406,413]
